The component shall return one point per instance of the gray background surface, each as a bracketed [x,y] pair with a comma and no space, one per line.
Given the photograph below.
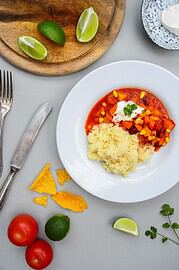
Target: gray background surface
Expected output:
[91,243]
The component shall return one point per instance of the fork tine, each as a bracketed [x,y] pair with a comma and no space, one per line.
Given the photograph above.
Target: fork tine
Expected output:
[4,86]
[6,91]
[0,84]
[7,86]
[10,88]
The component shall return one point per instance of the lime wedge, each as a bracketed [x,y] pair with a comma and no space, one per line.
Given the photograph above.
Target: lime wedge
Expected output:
[32,47]
[126,225]
[52,31]
[87,25]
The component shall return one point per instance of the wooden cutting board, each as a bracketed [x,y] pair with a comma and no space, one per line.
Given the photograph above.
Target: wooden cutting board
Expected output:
[20,17]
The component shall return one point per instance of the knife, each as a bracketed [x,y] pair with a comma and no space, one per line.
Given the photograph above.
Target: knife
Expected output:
[24,147]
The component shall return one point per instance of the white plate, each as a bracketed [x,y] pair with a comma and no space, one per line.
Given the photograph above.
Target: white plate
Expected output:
[149,180]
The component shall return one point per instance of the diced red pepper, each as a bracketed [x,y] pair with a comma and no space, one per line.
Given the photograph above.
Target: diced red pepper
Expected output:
[151,123]
[168,124]
[108,116]
[127,124]
[146,119]
[111,100]
[157,113]
[138,127]
[113,110]
[158,125]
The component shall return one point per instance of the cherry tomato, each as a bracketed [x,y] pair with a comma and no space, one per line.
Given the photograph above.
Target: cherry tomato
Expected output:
[22,230]
[39,254]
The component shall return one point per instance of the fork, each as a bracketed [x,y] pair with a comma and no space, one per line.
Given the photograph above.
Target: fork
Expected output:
[6,95]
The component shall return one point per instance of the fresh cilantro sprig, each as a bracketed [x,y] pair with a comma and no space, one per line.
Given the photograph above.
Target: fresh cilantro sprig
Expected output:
[166,211]
[128,110]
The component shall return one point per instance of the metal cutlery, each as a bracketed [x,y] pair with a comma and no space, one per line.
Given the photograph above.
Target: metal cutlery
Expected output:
[6,97]
[24,147]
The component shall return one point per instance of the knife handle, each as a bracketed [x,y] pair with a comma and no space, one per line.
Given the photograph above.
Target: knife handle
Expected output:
[6,186]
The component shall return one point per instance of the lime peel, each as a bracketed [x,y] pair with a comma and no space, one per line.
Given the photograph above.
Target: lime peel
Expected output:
[52,31]
[126,225]
[57,227]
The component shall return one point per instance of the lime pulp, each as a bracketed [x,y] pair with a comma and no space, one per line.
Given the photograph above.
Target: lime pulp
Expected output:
[32,47]
[87,25]
[126,225]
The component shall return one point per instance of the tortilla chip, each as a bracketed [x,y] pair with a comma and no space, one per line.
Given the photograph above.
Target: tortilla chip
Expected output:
[41,200]
[44,183]
[70,201]
[62,176]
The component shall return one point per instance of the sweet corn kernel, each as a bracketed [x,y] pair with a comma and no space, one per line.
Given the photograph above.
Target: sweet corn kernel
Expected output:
[148,112]
[104,104]
[138,120]
[114,93]
[167,139]
[143,132]
[168,130]
[103,113]
[142,94]
[101,120]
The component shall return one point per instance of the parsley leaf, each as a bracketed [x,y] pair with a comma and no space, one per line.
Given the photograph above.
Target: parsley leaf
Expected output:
[128,110]
[164,239]
[167,210]
[175,225]
[152,233]
[153,229]
[166,225]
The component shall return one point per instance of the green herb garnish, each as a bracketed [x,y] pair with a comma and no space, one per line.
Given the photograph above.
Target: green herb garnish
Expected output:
[128,110]
[166,211]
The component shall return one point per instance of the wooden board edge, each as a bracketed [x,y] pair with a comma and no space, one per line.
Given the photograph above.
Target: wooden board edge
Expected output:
[67,68]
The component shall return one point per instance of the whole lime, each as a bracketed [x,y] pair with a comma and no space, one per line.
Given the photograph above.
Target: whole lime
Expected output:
[57,227]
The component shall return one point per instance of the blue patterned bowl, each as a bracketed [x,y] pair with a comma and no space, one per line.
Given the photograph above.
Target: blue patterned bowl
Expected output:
[151,12]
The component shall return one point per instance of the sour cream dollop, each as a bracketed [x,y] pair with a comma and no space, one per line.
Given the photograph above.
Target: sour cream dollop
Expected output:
[119,114]
[170,19]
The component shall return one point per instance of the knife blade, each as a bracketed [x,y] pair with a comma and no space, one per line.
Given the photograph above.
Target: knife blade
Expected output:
[29,135]
[24,147]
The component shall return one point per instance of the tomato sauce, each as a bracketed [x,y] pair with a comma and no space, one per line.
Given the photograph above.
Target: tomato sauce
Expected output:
[154,125]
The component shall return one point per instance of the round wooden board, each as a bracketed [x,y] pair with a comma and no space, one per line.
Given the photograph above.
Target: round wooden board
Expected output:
[21,17]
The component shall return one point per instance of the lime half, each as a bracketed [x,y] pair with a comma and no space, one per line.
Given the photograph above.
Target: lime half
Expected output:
[126,225]
[87,25]
[32,47]
[53,31]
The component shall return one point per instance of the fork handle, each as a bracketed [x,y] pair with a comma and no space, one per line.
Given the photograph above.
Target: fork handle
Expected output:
[1,143]
[6,186]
